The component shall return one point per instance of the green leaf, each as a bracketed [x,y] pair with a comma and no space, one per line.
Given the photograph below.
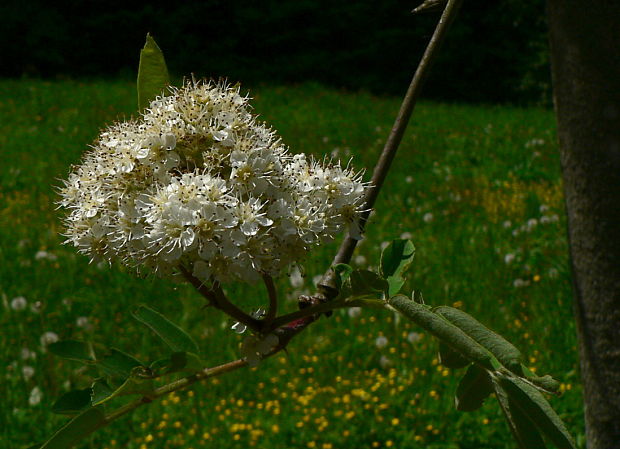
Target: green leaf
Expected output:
[73,350]
[367,283]
[532,404]
[178,361]
[450,358]
[395,259]
[77,429]
[152,73]
[170,333]
[72,402]
[504,351]
[118,364]
[100,391]
[342,272]
[474,388]
[186,361]
[135,384]
[545,383]
[522,428]
[445,331]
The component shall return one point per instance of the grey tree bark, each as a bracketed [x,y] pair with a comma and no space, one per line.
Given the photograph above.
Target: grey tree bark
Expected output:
[585,59]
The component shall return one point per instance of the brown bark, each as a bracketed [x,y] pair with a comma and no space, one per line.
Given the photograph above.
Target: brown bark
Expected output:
[585,57]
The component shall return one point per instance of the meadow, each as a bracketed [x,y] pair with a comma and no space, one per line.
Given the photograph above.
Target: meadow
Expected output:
[476,188]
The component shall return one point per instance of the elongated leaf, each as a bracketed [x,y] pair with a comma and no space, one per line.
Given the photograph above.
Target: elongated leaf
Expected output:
[170,333]
[523,429]
[100,391]
[73,350]
[395,259]
[474,388]
[445,331]
[504,351]
[545,383]
[342,272]
[450,358]
[178,361]
[118,364]
[72,402]
[131,386]
[367,283]
[152,73]
[76,430]
[535,407]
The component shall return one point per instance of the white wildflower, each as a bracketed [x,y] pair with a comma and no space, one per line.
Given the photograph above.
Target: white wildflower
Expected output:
[381,342]
[428,217]
[385,362]
[19,303]
[354,312]
[508,258]
[518,283]
[48,338]
[413,337]
[83,322]
[198,183]
[28,354]
[44,255]
[27,372]
[35,396]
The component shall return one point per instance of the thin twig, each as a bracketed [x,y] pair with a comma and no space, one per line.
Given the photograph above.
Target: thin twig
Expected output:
[174,386]
[272,312]
[217,298]
[345,252]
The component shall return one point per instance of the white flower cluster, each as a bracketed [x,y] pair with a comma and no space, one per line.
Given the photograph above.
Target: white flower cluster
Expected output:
[196,182]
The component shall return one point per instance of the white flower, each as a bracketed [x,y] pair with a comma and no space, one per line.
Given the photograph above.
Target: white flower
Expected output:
[518,283]
[428,217]
[27,372]
[413,337]
[354,312]
[19,303]
[381,342]
[385,362]
[35,396]
[40,255]
[28,354]
[508,258]
[197,182]
[83,322]
[48,338]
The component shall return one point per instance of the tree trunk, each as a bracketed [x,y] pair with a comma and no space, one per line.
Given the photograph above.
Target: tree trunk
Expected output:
[585,59]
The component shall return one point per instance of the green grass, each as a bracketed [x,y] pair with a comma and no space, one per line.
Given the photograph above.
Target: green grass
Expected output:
[465,184]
